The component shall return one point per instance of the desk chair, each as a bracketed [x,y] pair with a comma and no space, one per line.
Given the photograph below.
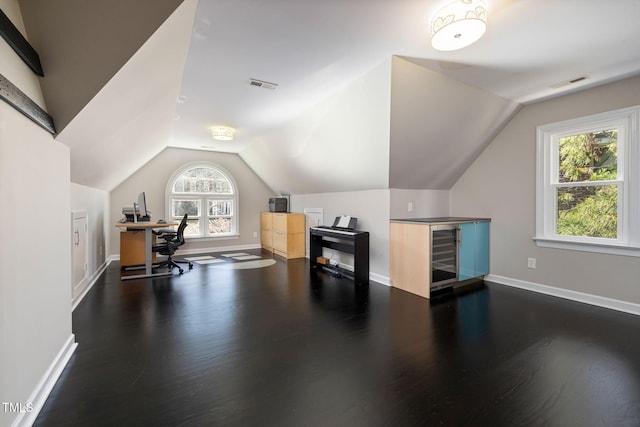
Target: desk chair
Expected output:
[172,241]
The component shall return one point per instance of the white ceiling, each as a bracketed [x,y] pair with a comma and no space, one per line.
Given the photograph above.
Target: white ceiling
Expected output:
[313,48]
[194,73]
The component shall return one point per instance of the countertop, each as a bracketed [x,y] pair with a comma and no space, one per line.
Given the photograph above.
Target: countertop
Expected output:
[439,220]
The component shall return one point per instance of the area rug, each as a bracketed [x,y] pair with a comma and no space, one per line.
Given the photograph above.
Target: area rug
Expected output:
[243,265]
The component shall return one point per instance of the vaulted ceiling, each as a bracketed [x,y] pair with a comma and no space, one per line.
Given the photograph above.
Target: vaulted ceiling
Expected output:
[356,79]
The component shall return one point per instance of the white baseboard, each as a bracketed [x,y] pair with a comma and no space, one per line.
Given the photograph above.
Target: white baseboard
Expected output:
[92,281]
[613,304]
[46,383]
[378,278]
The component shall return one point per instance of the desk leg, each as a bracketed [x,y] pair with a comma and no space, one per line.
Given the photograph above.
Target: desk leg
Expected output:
[148,233]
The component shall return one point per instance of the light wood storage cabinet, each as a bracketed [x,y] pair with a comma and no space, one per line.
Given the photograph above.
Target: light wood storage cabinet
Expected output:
[266,231]
[283,234]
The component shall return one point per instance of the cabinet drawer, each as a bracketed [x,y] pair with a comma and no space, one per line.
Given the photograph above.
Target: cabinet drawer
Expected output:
[266,221]
[280,241]
[266,238]
[280,222]
[289,245]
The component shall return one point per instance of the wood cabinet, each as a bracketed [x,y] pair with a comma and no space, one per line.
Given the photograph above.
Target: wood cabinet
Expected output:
[410,261]
[283,233]
[132,248]
[266,231]
[414,263]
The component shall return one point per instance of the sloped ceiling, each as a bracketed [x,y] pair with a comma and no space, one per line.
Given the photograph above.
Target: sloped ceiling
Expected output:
[318,52]
[82,44]
[129,121]
[438,126]
[340,144]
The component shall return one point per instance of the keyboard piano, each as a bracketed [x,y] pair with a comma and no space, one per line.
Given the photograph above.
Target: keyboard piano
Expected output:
[341,240]
[335,230]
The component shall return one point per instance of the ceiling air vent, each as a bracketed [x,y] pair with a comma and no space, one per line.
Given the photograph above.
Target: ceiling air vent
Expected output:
[262,84]
[569,82]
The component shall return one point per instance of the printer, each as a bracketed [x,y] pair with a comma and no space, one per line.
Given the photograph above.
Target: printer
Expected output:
[278,204]
[133,215]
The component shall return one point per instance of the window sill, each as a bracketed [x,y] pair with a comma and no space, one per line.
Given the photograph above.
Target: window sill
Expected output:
[211,238]
[603,248]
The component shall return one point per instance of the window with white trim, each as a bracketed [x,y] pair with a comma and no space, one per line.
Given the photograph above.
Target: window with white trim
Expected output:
[588,183]
[208,195]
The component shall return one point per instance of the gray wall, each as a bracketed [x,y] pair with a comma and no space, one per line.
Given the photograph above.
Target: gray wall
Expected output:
[501,184]
[152,178]
[424,203]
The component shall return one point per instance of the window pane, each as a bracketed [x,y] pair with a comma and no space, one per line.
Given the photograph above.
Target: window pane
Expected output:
[589,156]
[202,180]
[189,207]
[589,211]
[219,225]
[220,207]
[193,228]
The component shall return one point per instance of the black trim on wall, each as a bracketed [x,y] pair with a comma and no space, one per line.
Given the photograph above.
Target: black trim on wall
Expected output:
[20,45]
[21,102]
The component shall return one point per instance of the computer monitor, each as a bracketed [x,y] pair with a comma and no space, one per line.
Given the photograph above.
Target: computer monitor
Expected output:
[142,205]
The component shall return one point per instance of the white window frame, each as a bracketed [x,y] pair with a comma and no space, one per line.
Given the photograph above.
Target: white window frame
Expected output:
[204,199]
[627,120]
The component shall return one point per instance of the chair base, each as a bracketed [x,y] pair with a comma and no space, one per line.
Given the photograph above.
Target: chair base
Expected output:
[170,263]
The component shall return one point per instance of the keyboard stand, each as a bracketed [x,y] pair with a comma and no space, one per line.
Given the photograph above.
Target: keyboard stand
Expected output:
[351,242]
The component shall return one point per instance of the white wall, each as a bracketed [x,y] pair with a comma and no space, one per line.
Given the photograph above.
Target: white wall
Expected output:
[501,184]
[152,178]
[371,207]
[35,266]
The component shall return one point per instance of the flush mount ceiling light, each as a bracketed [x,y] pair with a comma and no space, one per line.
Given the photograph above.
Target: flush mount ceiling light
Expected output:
[458,24]
[222,133]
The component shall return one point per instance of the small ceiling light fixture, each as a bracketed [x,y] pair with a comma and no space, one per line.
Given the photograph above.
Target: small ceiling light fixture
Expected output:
[458,24]
[222,133]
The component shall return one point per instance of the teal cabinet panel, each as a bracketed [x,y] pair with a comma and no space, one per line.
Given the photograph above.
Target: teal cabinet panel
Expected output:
[482,248]
[473,251]
[466,251]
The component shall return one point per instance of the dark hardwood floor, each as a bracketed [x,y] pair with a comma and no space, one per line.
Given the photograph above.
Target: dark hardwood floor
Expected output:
[276,347]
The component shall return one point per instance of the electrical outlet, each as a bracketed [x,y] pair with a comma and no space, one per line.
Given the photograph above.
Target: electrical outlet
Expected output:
[255,234]
[410,207]
[531,263]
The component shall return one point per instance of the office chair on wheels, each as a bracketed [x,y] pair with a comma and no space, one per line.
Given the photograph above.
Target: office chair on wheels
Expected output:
[172,241]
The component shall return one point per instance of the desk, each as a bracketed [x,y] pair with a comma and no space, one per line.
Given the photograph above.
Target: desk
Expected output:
[352,242]
[148,243]
[132,248]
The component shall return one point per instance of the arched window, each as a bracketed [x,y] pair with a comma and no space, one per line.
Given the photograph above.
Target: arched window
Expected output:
[208,195]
